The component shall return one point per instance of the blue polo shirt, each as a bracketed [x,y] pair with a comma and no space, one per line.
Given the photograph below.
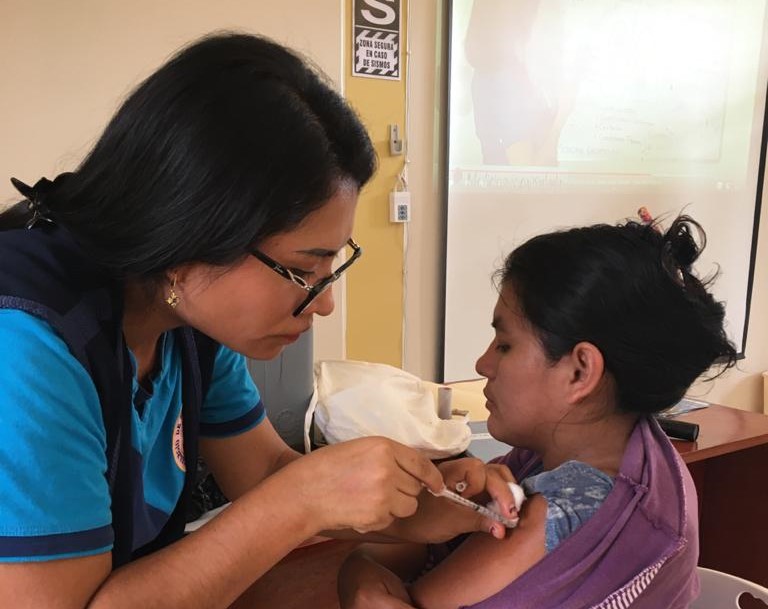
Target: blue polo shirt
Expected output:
[54,499]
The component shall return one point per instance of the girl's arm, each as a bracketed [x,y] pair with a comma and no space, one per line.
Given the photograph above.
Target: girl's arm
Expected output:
[482,566]
[372,576]
[477,569]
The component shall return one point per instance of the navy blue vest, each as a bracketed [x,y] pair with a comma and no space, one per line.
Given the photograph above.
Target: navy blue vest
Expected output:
[44,272]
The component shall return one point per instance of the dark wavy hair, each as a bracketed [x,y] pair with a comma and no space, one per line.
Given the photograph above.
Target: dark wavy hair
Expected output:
[234,139]
[630,290]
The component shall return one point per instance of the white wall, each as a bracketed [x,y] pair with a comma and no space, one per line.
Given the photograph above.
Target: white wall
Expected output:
[424,281]
[66,65]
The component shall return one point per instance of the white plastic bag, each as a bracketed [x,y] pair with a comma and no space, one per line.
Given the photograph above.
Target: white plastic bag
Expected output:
[355,399]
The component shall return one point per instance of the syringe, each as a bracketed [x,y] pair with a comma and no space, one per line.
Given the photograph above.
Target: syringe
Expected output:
[488,513]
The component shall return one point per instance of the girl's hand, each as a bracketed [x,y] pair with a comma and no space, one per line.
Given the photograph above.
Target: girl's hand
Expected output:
[365,584]
[438,519]
[482,482]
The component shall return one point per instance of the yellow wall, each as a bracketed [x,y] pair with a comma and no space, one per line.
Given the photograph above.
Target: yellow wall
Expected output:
[375,285]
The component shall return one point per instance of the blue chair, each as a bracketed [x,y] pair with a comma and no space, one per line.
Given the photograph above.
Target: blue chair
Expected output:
[286,384]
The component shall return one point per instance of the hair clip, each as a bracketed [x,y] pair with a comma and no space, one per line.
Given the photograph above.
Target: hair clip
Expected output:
[645,216]
[34,195]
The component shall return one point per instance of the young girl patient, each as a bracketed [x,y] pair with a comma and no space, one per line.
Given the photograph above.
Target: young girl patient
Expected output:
[596,329]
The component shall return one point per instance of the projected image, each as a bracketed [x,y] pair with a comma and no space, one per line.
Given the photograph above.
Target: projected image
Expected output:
[607,86]
[515,97]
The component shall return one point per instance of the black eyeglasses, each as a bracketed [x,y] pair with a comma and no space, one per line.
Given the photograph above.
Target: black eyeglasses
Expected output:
[313,291]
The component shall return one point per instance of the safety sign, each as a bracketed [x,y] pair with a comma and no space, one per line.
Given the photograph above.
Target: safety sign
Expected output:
[376,33]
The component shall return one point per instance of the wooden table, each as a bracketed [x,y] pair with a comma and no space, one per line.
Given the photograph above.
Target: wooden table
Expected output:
[729,465]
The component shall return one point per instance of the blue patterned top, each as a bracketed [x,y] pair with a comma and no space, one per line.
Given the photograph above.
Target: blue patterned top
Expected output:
[574,492]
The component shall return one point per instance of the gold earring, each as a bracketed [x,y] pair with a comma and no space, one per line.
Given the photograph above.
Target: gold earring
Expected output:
[173,298]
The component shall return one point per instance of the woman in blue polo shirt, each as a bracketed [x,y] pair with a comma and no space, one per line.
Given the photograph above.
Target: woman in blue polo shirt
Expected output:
[203,227]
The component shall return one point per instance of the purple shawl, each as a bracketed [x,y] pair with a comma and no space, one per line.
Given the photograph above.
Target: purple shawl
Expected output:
[640,549]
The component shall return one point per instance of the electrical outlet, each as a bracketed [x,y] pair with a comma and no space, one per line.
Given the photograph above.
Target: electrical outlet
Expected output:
[400,206]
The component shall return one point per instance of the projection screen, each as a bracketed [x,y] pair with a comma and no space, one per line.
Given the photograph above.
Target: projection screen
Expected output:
[566,112]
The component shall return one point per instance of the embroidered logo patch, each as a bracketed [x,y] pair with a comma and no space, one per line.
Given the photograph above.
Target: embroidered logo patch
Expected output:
[177,444]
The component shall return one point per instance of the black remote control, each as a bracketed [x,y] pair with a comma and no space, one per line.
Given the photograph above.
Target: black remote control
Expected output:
[682,430]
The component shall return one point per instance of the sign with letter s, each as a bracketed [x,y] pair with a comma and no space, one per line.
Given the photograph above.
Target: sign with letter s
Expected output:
[376,36]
